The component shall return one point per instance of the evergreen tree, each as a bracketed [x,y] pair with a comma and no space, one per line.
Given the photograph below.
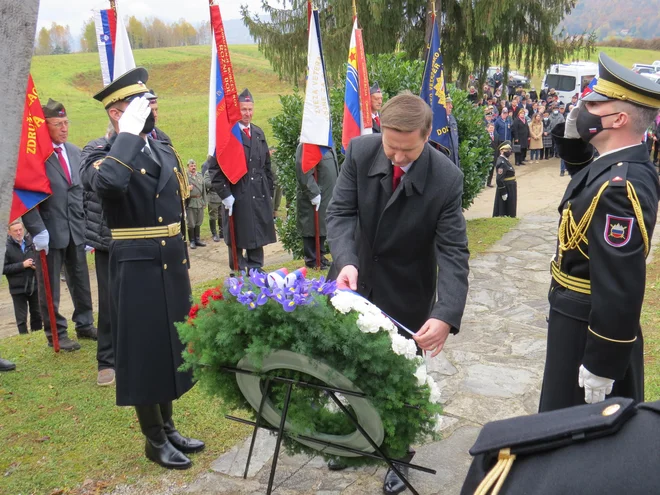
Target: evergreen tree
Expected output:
[475,33]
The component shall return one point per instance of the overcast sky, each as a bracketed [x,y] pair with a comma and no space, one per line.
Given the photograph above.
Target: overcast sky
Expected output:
[76,12]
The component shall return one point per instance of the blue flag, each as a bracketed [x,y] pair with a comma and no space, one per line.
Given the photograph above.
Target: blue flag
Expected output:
[433,91]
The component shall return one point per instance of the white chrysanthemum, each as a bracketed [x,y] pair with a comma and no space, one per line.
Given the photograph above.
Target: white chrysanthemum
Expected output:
[420,374]
[342,302]
[438,423]
[368,324]
[435,390]
[403,346]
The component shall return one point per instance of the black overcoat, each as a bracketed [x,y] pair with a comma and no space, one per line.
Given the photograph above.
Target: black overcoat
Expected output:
[398,239]
[505,178]
[598,326]
[149,282]
[253,208]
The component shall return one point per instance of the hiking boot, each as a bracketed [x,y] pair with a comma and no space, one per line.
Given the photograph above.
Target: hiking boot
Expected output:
[66,344]
[106,377]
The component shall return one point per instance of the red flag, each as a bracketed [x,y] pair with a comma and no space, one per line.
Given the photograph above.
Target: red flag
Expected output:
[31,185]
[228,140]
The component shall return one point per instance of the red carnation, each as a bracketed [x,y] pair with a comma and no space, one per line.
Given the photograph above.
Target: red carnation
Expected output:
[193,312]
[214,293]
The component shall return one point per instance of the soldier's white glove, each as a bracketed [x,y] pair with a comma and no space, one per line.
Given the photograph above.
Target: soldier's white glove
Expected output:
[595,387]
[41,241]
[133,119]
[570,129]
[505,197]
[316,201]
[229,203]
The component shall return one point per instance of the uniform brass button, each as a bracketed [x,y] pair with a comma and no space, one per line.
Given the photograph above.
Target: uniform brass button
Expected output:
[157,196]
[143,171]
[619,164]
[160,219]
[177,192]
[162,243]
[611,409]
[175,169]
[184,261]
[165,266]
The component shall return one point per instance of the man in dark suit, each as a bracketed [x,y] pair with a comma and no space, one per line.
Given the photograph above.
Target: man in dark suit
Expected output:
[376,105]
[58,226]
[142,186]
[250,200]
[608,213]
[157,132]
[396,213]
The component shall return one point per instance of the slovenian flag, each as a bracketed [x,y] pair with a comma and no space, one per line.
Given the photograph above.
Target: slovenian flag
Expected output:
[316,134]
[31,185]
[225,140]
[357,101]
[434,91]
[114,46]
[590,88]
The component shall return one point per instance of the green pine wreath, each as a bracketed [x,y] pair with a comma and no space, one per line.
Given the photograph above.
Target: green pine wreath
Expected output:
[335,335]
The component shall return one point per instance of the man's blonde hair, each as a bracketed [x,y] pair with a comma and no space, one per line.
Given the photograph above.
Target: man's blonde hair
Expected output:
[407,112]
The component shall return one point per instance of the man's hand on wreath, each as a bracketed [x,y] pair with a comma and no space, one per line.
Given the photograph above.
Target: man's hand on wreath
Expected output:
[432,335]
[347,278]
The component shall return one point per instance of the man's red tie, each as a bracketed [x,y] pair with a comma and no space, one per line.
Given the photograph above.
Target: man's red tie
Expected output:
[377,119]
[65,167]
[396,177]
[246,130]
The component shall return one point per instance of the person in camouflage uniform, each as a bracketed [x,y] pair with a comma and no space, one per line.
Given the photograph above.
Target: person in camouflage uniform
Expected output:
[196,205]
[214,204]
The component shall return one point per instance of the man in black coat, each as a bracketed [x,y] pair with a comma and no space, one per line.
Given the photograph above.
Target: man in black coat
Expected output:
[608,213]
[250,200]
[506,195]
[142,187]
[97,235]
[376,105]
[58,226]
[396,213]
[19,268]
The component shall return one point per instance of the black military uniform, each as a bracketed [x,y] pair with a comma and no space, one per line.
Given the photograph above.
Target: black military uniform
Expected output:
[505,178]
[595,449]
[608,213]
[142,185]
[253,194]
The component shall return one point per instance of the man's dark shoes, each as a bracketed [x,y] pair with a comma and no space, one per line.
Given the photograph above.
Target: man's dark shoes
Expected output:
[87,333]
[185,444]
[336,465]
[66,344]
[216,238]
[393,484]
[192,245]
[199,243]
[166,455]
[6,365]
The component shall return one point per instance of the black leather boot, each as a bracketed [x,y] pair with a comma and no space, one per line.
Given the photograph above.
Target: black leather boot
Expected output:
[184,444]
[157,446]
[214,230]
[393,484]
[198,241]
[191,238]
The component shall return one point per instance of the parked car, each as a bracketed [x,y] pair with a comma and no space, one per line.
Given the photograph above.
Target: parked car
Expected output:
[645,69]
[653,77]
[569,79]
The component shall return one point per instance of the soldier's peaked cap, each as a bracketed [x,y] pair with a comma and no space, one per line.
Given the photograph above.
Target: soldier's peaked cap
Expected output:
[615,82]
[374,89]
[132,83]
[245,97]
[506,145]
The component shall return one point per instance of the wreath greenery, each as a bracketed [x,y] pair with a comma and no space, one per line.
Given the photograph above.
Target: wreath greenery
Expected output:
[254,320]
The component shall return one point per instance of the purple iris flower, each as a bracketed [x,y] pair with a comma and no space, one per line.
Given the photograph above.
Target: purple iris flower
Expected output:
[234,286]
[258,278]
[289,305]
[262,299]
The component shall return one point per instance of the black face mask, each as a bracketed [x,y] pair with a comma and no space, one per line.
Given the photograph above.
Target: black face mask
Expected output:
[149,124]
[507,154]
[589,124]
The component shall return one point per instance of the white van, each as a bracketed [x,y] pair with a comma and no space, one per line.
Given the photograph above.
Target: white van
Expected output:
[568,79]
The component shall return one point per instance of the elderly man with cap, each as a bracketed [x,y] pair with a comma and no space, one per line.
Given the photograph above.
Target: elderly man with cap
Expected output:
[143,187]
[157,132]
[250,200]
[608,213]
[506,195]
[58,227]
[376,105]
[196,205]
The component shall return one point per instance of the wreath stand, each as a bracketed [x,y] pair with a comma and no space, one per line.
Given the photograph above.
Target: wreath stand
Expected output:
[330,391]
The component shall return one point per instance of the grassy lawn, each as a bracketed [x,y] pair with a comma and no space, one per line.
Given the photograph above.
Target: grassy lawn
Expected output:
[58,429]
[651,329]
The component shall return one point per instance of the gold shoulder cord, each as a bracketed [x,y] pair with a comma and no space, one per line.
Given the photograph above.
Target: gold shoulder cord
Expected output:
[497,475]
[637,207]
[184,190]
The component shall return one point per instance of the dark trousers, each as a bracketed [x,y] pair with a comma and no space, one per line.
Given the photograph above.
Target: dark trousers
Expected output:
[105,355]
[547,153]
[656,148]
[309,249]
[73,258]
[247,258]
[21,304]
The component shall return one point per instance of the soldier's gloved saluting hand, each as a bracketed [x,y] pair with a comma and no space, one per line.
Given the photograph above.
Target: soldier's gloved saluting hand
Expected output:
[133,119]
[570,129]
[595,387]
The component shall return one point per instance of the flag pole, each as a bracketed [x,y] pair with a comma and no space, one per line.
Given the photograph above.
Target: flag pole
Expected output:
[49,302]
[113,6]
[354,10]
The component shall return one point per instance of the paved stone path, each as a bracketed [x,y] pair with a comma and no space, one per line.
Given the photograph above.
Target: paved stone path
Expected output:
[491,370]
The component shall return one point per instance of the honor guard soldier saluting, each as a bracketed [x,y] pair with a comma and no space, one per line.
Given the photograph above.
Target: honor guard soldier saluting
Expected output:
[506,196]
[608,212]
[142,186]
